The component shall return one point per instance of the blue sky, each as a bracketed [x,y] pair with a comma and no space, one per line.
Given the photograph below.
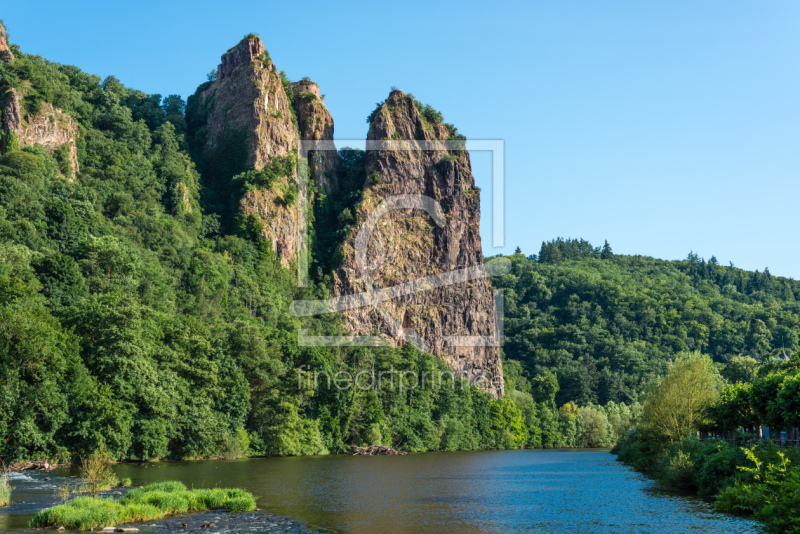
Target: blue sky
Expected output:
[662,127]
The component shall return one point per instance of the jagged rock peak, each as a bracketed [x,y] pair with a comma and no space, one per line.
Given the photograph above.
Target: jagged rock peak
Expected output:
[243,121]
[316,129]
[401,116]
[249,49]
[454,321]
[5,51]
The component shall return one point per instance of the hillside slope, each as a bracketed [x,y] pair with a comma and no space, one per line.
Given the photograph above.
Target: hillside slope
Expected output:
[607,325]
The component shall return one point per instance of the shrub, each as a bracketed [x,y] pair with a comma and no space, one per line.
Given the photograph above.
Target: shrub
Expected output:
[96,472]
[638,449]
[5,490]
[374,112]
[773,496]
[716,467]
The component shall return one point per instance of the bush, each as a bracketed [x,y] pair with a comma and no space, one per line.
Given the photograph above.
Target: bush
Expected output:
[639,449]
[716,467]
[773,496]
[5,491]
[96,472]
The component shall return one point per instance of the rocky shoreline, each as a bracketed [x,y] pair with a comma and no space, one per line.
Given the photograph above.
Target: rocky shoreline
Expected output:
[377,450]
[223,522]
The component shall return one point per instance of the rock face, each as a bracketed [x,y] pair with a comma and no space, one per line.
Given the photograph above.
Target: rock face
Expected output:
[5,52]
[248,125]
[409,244]
[316,124]
[50,128]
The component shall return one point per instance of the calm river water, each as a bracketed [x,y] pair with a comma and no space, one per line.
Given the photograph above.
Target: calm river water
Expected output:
[460,492]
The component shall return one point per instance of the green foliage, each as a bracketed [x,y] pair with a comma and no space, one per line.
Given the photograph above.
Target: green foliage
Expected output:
[758,480]
[143,315]
[597,431]
[772,400]
[508,425]
[769,491]
[334,214]
[374,112]
[5,490]
[96,472]
[680,403]
[151,502]
[608,325]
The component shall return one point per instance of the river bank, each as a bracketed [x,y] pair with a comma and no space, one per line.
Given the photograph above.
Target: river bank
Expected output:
[757,480]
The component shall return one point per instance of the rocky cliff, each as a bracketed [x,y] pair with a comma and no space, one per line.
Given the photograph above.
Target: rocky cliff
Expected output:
[48,127]
[5,52]
[411,243]
[316,124]
[248,124]
[243,120]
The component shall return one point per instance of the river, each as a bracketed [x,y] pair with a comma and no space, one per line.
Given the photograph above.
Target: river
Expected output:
[465,492]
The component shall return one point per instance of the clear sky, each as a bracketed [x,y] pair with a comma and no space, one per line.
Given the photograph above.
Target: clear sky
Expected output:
[662,127]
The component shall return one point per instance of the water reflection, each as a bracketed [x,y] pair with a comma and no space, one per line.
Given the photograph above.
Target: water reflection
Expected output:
[467,492]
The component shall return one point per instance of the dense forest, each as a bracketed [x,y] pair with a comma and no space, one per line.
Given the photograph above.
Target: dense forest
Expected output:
[610,325]
[137,317]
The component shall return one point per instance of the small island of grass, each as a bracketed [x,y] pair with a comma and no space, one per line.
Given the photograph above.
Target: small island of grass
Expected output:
[154,501]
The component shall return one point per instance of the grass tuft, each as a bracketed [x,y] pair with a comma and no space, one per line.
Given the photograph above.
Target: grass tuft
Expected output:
[151,502]
[5,491]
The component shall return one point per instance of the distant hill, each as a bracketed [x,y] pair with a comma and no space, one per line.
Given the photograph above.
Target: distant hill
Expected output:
[608,324]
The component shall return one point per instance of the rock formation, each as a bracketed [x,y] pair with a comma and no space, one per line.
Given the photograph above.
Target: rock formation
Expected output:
[316,124]
[245,113]
[410,244]
[50,127]
[247,123]
[248,98]
[5,53]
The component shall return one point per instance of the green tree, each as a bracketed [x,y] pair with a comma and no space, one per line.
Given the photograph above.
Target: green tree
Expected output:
[680,402]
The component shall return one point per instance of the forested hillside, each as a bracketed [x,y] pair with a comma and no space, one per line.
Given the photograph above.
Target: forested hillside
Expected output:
[608,325]
[138,316]
[132,320]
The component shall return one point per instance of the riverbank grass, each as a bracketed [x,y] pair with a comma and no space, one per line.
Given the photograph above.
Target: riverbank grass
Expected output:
[5,491]
[154,501]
